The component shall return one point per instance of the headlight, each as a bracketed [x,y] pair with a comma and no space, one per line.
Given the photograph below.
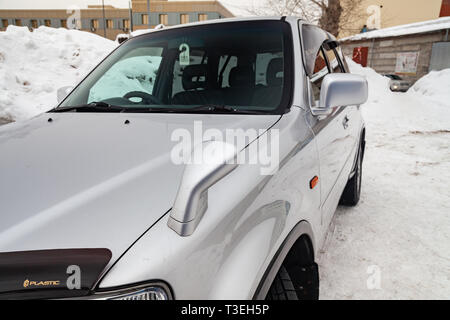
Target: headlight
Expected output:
[153,293]
[158,291]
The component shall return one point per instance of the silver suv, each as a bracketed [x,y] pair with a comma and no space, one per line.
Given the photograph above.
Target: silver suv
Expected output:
[133,189]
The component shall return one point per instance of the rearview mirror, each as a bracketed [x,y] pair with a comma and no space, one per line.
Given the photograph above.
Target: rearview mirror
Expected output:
[340,90]
[62,93]
[210,162]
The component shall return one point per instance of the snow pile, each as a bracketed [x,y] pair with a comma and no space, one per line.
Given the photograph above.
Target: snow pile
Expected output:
[33,65]
[434,88]
[378,84]
[406,29]
[396,243]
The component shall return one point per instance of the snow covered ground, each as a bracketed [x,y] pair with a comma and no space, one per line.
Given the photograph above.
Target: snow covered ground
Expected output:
[396,243]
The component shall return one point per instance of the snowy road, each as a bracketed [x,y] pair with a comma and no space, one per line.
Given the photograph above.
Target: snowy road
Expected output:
[396,243]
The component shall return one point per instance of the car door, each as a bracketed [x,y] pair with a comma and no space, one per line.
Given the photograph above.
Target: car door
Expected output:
[351,121]
[333,132]
[353,113]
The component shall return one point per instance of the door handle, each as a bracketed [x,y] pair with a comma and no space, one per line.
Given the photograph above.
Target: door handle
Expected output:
[345,122]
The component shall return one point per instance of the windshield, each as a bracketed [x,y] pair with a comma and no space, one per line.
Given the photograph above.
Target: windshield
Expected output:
[241,65]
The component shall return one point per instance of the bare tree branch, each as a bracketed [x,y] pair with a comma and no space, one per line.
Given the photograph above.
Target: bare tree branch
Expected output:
[331,15]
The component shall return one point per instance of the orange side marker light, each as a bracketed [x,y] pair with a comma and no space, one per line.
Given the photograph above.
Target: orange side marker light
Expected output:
[314,181]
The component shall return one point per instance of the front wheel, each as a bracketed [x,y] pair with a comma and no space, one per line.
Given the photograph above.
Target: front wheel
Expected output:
[300,283]
[282,287]
[298,276]
[352,191]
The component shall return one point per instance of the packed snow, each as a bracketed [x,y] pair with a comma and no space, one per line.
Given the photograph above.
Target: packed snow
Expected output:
[434,88]
[394,245]
[406,29]
[33,65]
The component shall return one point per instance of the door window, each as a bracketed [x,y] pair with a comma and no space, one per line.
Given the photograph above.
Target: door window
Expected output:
[342,58]
[333,61]
[320,71]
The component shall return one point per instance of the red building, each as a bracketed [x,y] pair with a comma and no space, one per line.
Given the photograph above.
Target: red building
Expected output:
[445,9]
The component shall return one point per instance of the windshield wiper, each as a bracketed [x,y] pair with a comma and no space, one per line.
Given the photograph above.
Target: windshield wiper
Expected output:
[219,108]
[105,107]
[91,107]
[214,107]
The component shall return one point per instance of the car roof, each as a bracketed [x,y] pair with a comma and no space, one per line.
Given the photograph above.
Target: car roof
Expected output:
[290,19]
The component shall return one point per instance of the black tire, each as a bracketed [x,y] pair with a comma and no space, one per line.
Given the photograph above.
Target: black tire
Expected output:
[298,276]
[302,285]
[352,192]
[282,287]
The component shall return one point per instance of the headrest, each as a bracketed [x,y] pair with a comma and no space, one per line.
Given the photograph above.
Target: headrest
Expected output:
[194,76]
[243,76]
[275,72]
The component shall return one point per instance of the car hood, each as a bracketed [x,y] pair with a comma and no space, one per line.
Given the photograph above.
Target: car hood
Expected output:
[91,180]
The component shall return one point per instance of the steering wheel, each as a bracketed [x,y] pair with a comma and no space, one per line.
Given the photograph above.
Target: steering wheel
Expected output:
[146,97]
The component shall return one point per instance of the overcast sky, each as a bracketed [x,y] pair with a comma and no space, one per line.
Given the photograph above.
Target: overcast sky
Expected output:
[235,6]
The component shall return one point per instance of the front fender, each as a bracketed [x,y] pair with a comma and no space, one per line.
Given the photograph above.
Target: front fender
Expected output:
[238,276]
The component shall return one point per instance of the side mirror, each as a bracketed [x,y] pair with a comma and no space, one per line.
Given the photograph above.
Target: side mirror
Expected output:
[210,162]
[62,93]
[341,89]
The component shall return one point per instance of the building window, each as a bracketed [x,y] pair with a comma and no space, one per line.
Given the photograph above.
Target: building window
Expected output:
[109,24]
[64,24]
[202,17]
[184,18]
[47,23]
[5,23]
[145,19]
[164,19]
[18,22]
[34,24]
[94,24]
[126,24]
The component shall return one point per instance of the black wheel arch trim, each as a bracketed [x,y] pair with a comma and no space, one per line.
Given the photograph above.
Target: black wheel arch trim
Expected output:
[362,143]
[301,229]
